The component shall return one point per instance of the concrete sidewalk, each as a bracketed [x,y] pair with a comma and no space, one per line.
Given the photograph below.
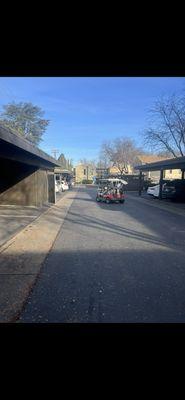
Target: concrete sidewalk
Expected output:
[22,257]
[14,219]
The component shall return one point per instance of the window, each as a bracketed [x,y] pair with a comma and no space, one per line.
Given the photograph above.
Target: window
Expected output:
[84,171]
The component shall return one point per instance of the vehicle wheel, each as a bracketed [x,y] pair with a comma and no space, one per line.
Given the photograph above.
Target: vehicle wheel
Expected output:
[97,199]
[122,201]
[107,201]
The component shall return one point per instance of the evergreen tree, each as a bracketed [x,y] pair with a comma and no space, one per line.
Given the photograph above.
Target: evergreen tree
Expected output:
[25,119]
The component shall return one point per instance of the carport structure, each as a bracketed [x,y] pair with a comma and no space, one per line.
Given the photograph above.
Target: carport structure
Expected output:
[62,173]
[173,163]
[26,172]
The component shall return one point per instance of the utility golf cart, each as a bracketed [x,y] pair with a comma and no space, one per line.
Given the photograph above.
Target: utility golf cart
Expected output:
[111,191]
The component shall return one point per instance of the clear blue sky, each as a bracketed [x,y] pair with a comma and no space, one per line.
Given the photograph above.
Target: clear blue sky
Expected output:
[83,112]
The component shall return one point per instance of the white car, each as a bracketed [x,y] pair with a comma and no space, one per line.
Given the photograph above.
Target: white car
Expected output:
[153,190]
[56,187]
[64,186]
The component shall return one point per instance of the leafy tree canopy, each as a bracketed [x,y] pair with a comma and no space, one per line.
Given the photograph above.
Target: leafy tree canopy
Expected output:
[26,119]
[66,164]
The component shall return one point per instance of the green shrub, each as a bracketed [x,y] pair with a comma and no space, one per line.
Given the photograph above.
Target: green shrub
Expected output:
[86,181]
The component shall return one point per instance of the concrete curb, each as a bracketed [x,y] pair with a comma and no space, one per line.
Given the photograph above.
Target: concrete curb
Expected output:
[165,207]
[23,256]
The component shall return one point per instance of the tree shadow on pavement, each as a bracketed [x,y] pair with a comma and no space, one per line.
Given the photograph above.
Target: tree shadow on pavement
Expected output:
[96,223]
[162,222]
[106,286]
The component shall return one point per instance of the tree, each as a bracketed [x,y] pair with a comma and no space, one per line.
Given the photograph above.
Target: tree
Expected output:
[103,161]
[165,154]
[90,163]
[63,161]
[66,164]
[86,161]
[26,119]
[166,132]
[70,165]
[121,152]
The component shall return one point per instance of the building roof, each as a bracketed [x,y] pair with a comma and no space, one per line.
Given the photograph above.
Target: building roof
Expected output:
[145,159]
[17,148]
[59,170]
[170,163]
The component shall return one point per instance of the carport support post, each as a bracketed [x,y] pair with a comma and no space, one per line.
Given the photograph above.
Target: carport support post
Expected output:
[140,182]
[87,173]
[161,183]
[51,187]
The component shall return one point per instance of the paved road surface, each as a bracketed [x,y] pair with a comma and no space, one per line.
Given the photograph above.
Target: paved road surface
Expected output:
[113,263]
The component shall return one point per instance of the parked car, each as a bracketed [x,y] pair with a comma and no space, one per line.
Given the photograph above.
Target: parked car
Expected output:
[149,183]
[56,187]
[153,190]
[174,190]
[64,186]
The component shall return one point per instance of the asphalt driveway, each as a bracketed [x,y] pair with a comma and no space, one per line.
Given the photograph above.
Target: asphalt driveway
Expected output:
[113,263]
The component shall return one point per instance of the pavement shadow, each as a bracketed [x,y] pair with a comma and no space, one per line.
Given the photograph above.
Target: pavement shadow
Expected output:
[146,216]
[98,224]
[107,286]
[82,199]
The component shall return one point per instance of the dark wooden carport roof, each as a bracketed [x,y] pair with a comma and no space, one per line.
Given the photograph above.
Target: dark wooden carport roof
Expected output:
[59,170]
[16,148]
[172,163]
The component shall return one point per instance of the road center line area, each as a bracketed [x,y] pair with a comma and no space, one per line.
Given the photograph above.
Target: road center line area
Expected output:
[108,263]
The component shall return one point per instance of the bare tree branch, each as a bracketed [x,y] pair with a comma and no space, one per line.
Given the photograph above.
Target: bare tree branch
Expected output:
[167,126]
[121,153]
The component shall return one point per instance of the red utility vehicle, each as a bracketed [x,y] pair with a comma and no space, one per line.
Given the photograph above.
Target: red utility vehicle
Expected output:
[111,191]
[110,197]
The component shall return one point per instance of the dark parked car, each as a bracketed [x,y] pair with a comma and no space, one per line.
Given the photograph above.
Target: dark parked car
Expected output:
[174,190]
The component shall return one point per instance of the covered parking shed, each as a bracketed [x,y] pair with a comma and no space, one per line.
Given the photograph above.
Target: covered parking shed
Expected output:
[173,163]
[61,173]
[26,172]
